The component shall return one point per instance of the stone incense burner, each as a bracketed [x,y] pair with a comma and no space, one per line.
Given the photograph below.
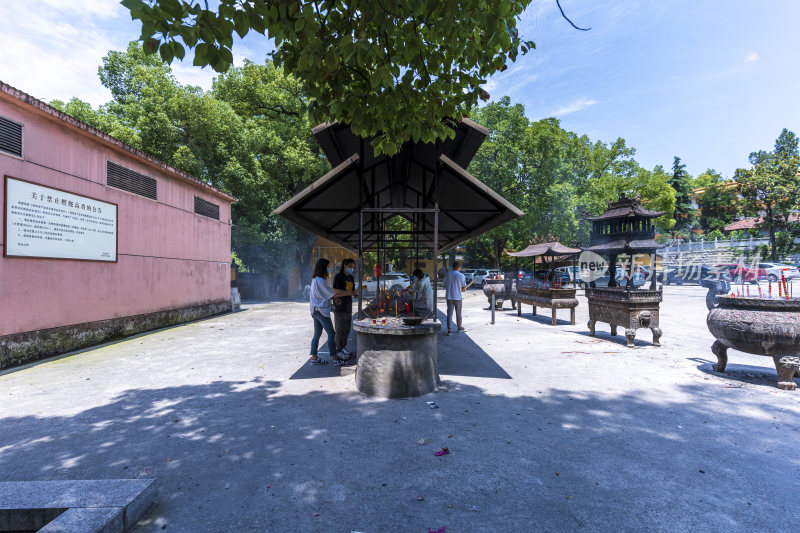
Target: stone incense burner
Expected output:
[761,327]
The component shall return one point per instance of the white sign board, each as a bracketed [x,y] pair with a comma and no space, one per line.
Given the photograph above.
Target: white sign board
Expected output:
[49,223]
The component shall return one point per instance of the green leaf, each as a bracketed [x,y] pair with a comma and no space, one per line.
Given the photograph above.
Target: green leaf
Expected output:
[241,23]
[134,6]
[178,50]
[166,52]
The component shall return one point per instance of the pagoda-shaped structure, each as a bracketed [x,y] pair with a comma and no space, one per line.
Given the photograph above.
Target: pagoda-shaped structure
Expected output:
[625,228]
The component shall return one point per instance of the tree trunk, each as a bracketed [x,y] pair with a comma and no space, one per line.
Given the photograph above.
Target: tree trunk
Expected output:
[772,239]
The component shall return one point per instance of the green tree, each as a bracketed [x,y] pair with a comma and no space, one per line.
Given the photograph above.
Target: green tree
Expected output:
[500,163]
[771,187]
[707,178]
[280,159]
[718,206]
[400,69]
[614,171]
[681,181]
[249,136]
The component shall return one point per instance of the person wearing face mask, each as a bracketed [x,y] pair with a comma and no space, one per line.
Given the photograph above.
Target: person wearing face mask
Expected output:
[320,300]
[343,307]
[421,287]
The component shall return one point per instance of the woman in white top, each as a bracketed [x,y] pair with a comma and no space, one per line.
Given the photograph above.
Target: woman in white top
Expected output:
[421,286]
[320,297]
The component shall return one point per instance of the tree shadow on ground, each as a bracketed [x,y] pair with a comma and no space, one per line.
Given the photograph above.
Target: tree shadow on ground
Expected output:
[251,456]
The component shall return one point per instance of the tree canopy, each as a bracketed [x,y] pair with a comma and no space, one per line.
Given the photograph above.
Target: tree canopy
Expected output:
[771,187]
[249,136]
[404,69]
[681,181]
[718,206]
[556,177]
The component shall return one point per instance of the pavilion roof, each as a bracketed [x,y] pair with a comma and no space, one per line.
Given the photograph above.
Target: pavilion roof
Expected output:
[331,207]
[551,249]
[621,246]
[626,207]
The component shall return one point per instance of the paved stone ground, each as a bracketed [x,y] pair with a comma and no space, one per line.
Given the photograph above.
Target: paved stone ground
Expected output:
[548,429]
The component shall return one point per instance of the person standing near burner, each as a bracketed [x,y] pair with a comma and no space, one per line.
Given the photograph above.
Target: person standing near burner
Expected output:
[454,283]
[320,300]
[343,307]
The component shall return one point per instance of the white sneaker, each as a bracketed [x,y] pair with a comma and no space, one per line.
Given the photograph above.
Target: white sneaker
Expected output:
[347,352]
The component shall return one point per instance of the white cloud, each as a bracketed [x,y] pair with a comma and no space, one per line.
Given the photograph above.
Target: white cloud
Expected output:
[490,86]
[574,106]
[51,48]
[100,8]
[752,57]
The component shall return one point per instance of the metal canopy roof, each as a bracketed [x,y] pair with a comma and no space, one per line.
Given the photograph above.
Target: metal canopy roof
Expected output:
[374,189]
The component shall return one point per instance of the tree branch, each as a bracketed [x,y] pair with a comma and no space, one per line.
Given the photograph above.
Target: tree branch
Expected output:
[558,3]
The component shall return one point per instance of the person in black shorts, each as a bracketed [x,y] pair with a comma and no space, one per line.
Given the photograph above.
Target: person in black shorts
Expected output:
[343,307]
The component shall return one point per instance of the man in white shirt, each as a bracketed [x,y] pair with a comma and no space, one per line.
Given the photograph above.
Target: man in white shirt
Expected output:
[454,283]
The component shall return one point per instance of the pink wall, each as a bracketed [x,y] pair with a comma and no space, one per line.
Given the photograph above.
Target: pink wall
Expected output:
[168,256]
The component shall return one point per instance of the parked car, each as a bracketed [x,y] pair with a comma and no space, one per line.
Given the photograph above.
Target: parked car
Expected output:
[551,276]
[572,272]
[480,276]
[389,281]
[695,274]
[639,279]
[741,273]
[496,274]
[775,270]
[469,274]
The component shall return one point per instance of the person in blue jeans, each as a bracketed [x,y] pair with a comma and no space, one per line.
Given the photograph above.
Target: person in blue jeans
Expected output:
[320,299]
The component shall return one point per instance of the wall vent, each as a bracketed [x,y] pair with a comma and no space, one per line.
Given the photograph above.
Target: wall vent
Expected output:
[10,137]
[126,179]
[206,208]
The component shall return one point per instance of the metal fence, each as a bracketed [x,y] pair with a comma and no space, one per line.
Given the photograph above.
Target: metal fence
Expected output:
[716,244]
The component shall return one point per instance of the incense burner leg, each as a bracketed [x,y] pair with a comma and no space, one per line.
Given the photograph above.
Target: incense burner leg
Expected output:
[613,330]
[787,366]
[554,315]
[630,335]
[591,324]
[656,336]
[721,351]
[572,316]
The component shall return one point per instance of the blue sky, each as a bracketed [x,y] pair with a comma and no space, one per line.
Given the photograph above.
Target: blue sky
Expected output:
[709,81]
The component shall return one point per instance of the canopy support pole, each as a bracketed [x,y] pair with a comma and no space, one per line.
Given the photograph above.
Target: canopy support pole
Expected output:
[436,235]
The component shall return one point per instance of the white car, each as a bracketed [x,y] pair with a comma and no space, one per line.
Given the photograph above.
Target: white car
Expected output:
[389,281]
[775,270]
[469,273]
[480,277]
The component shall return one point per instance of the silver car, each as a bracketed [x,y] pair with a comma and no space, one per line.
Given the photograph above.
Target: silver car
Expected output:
[775,270]
[389,282]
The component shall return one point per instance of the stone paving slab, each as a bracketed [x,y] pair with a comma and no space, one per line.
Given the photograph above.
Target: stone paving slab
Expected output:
[84,520]
[103,502]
